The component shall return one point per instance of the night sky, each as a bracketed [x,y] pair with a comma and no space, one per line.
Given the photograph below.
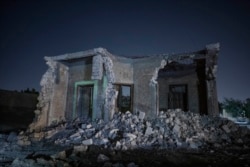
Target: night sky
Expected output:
[31,30]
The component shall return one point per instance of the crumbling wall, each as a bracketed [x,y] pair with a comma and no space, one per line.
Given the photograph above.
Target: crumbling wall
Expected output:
[44,99]
[145,91]
[123,70]
[116,70]
[110,92]
[58,100]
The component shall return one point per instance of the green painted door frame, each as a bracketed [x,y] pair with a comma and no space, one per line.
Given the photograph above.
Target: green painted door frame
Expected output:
[95,92]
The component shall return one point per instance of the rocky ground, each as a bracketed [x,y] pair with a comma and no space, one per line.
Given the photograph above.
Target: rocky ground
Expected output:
[175,138]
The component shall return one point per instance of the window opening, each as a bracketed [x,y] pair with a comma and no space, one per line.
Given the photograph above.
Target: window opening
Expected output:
[124,99]
[177,97]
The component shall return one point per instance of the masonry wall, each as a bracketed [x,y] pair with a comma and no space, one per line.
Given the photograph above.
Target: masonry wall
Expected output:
[59,96]
[145,95]
[123,70]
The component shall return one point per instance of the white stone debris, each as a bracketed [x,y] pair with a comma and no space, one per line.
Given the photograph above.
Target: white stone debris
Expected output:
[171,129]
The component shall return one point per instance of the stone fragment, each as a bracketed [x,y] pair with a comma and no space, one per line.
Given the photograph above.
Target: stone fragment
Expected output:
[80,148]
[118,145]
[12,137]
[87,142]
[176,129]
[149,131]
[130,136]
[141,115]
[24,142]
[75,135]
[132,164]
[226,129]
[112,133]
[61,155]
[104,141]
[239,141]
[89,126]
[50,133]
[102,158]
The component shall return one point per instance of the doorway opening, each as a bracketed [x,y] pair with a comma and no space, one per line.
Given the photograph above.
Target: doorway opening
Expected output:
[85,101]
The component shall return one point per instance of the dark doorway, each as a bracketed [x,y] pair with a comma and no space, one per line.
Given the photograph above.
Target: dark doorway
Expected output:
[177,97]
[85,101]
[124,99]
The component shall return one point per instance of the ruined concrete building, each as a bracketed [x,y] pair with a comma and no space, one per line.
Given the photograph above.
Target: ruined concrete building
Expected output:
[94,84]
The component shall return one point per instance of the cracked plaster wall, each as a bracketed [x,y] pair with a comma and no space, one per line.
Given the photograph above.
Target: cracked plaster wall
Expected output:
[44,98]
[145,97]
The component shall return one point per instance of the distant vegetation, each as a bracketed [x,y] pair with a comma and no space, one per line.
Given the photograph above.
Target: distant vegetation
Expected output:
[28,90]
[237,108]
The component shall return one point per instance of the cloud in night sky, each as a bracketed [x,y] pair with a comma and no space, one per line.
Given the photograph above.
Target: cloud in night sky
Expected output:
[31,30]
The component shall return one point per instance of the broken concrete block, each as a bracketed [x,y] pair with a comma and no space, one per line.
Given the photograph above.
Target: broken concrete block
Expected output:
[50,133]
[149,131]
[102,158]
[176,129]
[239,141]
[112,133]
[193,145]
[12,137]
[75,135]
[83,126]
[226,129]
[89,126]
[132,164]
[148,124]
[104,141]
[118,145]
[130,136]
[87,142]
[61,155]
[24,142]
[141,115]
[80,148]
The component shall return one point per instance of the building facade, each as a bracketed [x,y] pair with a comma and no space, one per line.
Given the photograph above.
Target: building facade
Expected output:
[94,84]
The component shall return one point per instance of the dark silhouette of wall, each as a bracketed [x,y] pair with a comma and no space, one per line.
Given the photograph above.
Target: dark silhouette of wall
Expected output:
[16,109]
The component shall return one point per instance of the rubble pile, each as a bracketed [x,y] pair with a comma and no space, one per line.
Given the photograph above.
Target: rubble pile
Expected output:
[75,143]
[172,129]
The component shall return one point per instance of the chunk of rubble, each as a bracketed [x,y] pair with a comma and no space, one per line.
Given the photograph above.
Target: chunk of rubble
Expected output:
[141,115]
[87,142]
[80,148]
[102,158]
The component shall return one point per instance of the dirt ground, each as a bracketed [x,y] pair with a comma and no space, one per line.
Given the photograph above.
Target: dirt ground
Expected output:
[231,156]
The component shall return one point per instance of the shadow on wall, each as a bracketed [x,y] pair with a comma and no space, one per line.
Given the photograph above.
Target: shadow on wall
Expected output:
[16,109]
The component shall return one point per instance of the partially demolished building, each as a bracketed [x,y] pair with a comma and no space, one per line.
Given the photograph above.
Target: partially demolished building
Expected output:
[94,84]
